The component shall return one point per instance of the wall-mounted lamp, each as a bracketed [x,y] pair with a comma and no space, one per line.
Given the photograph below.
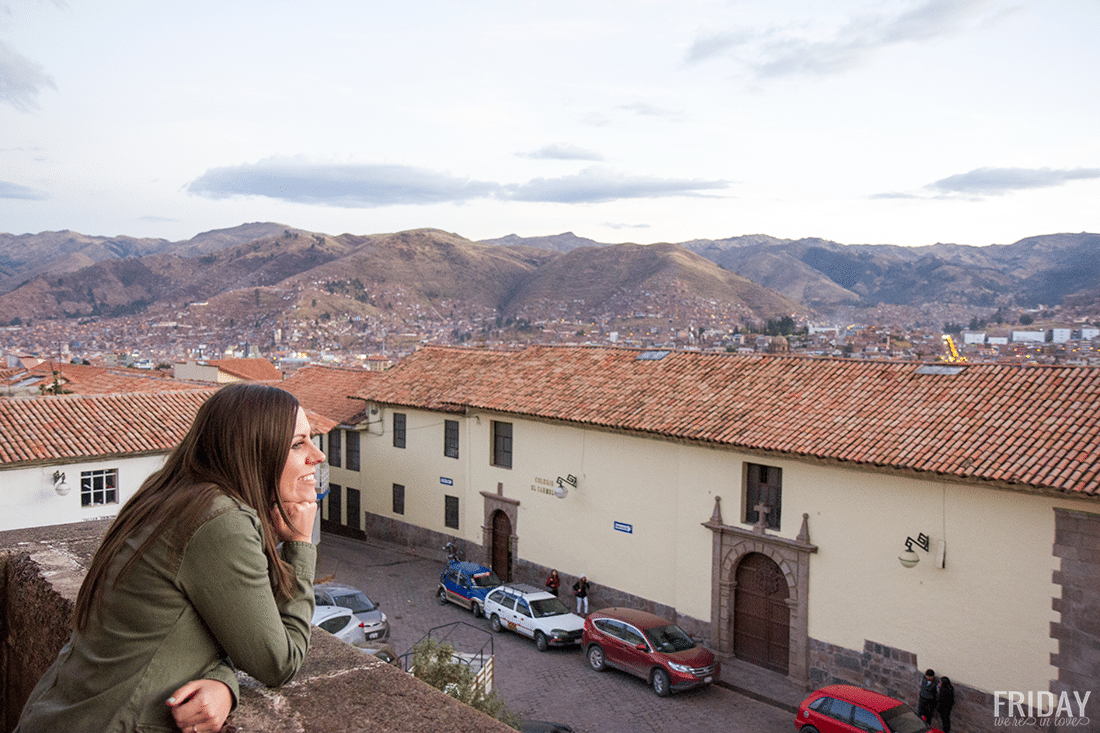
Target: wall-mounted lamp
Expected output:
[909,558]
[60,485]
[560,491]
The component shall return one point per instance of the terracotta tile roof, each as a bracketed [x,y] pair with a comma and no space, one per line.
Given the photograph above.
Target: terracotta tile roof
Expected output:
[49,429]
[46,429]
[1035,427]
[256,370]
[85,379]
[327,391]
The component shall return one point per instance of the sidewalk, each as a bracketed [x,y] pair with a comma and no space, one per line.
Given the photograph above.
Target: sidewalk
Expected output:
[761,684]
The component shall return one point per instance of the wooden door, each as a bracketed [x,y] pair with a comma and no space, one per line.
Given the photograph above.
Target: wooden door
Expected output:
[761,619]
[502,546]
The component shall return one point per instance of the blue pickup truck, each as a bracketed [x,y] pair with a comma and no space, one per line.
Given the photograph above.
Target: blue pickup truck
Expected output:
[466,584]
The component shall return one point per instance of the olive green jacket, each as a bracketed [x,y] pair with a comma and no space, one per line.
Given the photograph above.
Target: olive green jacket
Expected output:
[182,613]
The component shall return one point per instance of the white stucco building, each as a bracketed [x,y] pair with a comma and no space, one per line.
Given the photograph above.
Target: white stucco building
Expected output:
[763,501]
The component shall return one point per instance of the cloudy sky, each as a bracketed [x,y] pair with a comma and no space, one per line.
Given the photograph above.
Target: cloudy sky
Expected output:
[862,121]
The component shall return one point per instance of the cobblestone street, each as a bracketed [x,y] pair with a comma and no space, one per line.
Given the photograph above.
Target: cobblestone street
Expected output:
[556,685]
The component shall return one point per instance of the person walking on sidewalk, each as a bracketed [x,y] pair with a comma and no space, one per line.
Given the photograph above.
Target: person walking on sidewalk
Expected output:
[580,590]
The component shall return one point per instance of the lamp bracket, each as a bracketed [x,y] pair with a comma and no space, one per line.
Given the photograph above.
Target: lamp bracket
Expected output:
[922,541]
[570,479]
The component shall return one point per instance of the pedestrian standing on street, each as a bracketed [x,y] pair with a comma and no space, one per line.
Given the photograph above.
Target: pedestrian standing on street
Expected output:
[553,582]
[191,575]
[945,700]
[927,707]
[580,590]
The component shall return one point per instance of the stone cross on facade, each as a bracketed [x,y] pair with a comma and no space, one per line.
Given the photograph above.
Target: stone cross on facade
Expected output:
[762,510]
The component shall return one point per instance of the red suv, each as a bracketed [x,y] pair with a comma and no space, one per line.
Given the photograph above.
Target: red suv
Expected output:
[647,646]
[849,709]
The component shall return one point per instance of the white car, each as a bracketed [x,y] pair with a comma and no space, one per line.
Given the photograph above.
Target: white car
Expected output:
[535,613]
[340,622]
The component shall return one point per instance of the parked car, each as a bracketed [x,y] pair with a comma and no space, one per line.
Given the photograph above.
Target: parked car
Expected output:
[340,622]
[535,613]
[647,646]
[544,726]
[466,584]
[844,708]
[376,627]
[385,652]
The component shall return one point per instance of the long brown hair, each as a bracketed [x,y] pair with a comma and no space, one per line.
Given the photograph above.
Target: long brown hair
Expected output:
[237,445]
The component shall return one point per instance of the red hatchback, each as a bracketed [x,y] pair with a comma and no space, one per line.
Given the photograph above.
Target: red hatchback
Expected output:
[850,709]
[647,646]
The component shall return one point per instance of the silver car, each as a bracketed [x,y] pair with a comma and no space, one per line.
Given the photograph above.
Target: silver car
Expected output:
[375,625]
[340,622]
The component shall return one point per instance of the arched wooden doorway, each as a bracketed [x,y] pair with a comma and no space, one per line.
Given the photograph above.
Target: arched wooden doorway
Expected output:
[501,552]
[761,618]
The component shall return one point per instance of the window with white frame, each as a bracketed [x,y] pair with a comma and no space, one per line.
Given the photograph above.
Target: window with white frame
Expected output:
[99,487]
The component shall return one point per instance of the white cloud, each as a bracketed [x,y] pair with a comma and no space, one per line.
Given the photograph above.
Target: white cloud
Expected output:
[999,181]
[787,51]
[368,186]
[598,185]
[16,191]
[564,151]
[21,80]
[649,110]
[348,186]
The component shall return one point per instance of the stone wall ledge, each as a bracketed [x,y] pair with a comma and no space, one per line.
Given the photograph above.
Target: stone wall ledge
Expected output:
[339,688]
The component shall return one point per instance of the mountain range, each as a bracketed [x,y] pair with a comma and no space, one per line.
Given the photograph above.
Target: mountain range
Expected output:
[275,269]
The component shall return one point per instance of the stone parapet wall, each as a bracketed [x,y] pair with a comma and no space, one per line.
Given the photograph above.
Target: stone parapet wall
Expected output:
[34,629]
[339,688]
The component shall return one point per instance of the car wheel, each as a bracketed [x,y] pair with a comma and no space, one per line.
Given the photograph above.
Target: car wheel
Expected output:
[540,641]
[442,595]
[596,658]
[660,682]
[808,729]
[476,610]
[495,625]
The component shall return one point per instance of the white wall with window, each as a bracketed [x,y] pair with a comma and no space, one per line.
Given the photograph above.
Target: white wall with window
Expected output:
[93,489]
[647,498]
[408,475]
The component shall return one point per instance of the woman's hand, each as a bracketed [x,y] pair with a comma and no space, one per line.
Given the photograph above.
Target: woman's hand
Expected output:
[201,706]
[301,515]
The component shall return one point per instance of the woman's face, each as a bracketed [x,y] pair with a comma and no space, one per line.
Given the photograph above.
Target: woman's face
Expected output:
[298,482]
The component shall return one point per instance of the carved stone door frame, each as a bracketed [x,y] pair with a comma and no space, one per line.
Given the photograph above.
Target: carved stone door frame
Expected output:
[730,545]
[494,503]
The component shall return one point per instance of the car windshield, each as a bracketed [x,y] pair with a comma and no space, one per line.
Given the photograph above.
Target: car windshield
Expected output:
[356,601]
[548,607]
[487,579]
[902,719]
[669,638]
